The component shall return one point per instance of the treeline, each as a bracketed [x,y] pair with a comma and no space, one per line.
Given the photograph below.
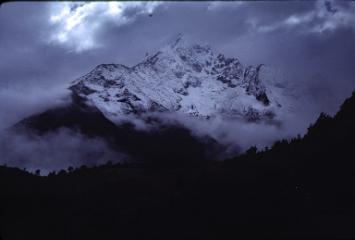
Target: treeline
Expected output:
[298,188]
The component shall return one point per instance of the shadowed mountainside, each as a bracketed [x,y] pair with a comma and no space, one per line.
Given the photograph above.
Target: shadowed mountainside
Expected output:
[166,145]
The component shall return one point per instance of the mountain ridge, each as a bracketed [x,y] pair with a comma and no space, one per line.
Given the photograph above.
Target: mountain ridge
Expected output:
[181,77]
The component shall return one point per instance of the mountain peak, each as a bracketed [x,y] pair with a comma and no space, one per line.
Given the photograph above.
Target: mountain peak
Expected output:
[183,77]
[182,41]
[178,40]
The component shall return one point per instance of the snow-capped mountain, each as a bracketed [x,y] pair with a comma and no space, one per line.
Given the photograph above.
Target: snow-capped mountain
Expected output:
[114,103]
[183,77]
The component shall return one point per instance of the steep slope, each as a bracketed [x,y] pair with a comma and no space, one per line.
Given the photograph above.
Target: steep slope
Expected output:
[323,159]
[182,77]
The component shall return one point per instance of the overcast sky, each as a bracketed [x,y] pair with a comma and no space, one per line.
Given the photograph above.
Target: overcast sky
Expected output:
[44,46]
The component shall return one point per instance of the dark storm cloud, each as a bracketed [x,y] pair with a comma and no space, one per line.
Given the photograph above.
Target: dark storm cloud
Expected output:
[309,43]
[329,7]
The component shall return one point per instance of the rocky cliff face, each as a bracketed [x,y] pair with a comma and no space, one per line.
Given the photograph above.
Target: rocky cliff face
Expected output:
[183,77]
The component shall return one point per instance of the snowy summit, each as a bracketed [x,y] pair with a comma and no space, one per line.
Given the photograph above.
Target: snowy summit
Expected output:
[183,77]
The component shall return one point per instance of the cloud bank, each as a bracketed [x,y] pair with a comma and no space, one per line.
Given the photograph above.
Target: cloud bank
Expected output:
[54,151]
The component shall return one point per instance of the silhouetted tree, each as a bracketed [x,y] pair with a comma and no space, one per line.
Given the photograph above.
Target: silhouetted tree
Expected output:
[252,150]
[83,167]
[62,172]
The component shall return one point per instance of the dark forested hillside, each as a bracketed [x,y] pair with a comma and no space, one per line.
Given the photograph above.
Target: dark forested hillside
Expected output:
[301,188]
[166,144]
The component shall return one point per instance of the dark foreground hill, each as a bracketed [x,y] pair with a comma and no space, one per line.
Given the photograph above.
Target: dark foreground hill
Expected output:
[303,188]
